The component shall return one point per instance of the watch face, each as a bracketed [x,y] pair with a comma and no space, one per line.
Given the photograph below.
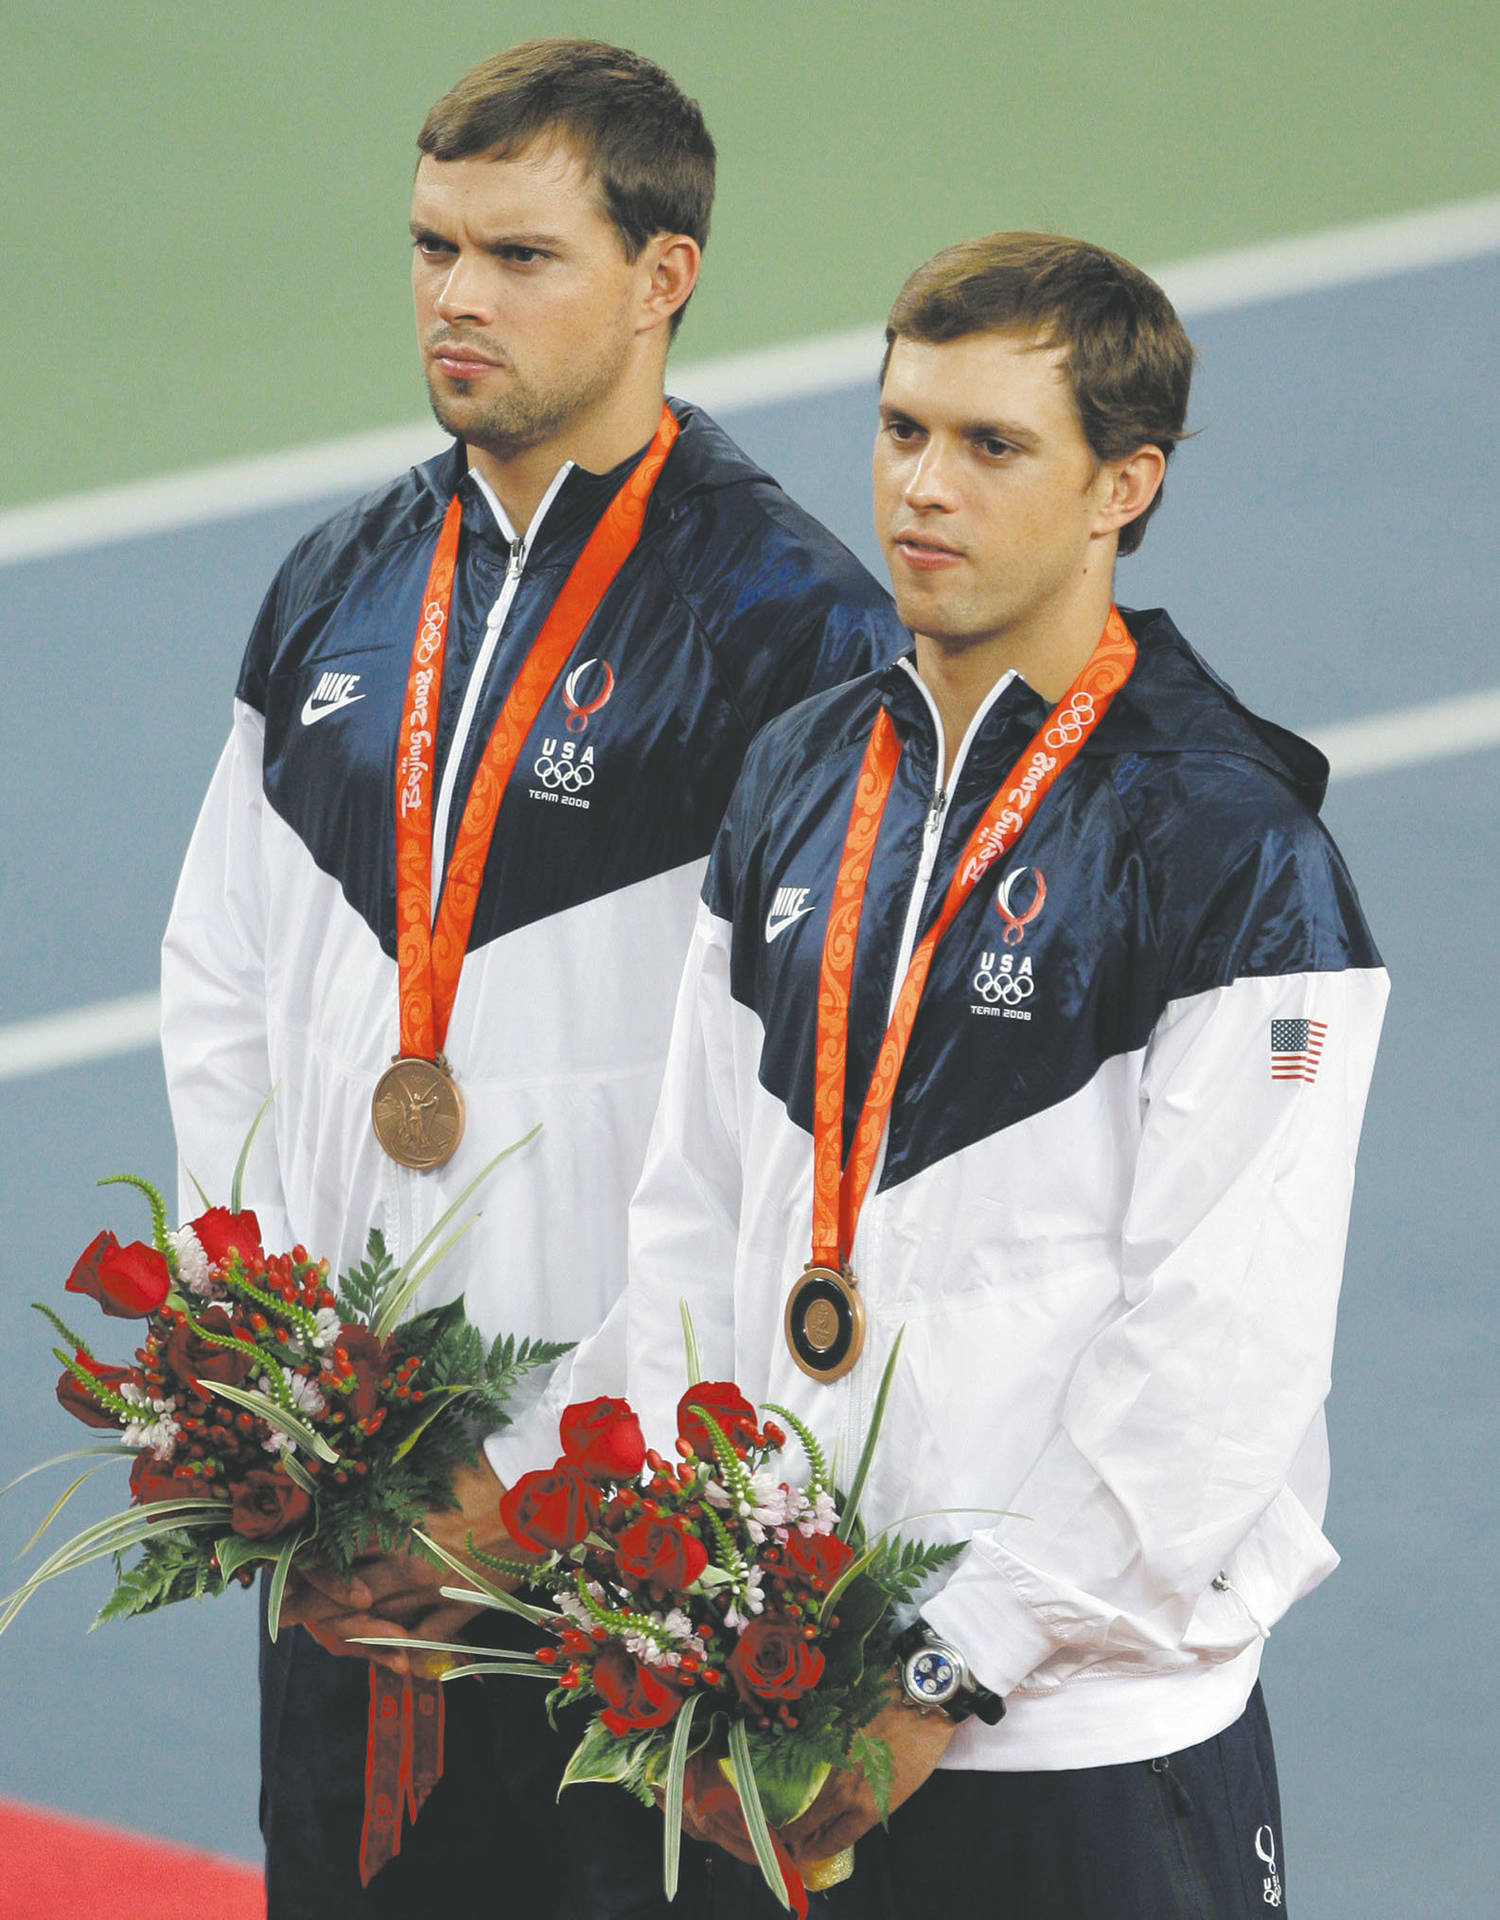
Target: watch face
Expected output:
[931,1676]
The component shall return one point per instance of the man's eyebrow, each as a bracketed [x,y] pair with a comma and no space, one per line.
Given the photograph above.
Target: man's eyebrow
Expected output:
[970,429]
[544,242]
[1018,436]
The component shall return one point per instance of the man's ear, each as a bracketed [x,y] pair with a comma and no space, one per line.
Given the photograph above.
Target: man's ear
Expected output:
[669,264]
[1129,486]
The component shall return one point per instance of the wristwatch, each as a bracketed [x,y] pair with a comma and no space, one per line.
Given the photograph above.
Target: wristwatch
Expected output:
[933,1674]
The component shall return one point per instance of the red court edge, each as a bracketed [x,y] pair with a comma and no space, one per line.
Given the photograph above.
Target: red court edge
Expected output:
[54,1868]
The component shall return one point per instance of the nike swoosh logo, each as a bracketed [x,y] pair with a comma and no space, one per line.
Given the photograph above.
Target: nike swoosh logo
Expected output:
[777,924]
[313,710]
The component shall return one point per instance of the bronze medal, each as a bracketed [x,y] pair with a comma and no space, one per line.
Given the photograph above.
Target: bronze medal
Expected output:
[418,1112]
[825,1322]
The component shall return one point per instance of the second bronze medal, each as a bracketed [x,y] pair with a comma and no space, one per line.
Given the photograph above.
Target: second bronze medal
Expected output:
[825,1322]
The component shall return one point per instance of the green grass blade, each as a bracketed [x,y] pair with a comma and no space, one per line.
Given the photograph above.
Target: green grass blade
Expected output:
[690,1352]
[113,1450]
[299,1475]
[107,1537]
[499,1666]
[676,1773]
[235,1552]
[207,1203]
[521,1662]
[121,1531]
[479,1589]
[399,1296]
[867,1452]
[237,1183]
[276,1591]
[381,1321]
[851,1572]
[436,1403]
[755,1817]
[278,1417]
[57,1506]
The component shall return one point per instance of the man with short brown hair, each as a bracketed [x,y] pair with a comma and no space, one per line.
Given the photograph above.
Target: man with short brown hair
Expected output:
[439,892]
[1058,1075]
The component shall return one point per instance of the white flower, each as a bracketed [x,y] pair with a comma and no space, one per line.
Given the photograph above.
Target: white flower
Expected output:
[192,1265]
[570,1604]
[305,1399]
[822,1517]
[715,1495]
[766,1509]
[648,1649]
[750,1599]
[305,1395]
[155,1428]
[325,1338]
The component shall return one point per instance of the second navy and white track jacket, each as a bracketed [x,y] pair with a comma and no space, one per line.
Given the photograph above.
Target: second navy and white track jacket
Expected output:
[1112,1205]
[279,965]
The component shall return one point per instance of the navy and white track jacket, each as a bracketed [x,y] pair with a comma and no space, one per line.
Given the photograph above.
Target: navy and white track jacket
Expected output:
[1112,1206]
[279,964]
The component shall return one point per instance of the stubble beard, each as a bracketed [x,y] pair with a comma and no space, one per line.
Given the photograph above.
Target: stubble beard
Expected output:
[526,416]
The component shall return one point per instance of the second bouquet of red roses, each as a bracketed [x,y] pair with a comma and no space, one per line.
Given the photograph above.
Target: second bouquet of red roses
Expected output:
[710,1600]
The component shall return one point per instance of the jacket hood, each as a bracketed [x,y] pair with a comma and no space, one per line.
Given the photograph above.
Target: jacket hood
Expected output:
[1174,702]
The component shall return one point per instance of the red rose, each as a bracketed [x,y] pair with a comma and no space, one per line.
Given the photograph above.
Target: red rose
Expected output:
[267,1503]
[193,1358]
[637,1695]
[221,1233]
[660,1553]
[603,1439]
[128,1282]
[551,1509]
[76,1399]
[773,1661]
[150,1480]
[367,1356]
[723,1402]
[818,1556]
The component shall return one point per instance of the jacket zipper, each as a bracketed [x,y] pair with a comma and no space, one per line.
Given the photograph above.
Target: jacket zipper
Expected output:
[520,547]
[494,626]
[861,1398]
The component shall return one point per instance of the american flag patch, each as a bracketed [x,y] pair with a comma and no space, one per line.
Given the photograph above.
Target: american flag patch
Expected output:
[1296,1048]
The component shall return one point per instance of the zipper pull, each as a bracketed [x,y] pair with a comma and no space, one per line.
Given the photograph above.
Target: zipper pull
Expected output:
[517,556]
[935,812]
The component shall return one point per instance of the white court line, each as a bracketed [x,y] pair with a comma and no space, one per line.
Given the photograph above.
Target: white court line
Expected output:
[1210,283]
[81,1036]
[1411,736]
[1380,743]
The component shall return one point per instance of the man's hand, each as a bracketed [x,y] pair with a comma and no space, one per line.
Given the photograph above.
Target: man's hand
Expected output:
[397,1596]
[842,1812]
[846,1809]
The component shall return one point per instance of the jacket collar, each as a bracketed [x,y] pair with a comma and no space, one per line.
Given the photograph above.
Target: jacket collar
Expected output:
[1173,702]
[702,459]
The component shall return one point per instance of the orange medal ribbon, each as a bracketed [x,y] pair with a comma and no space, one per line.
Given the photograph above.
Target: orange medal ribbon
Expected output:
[429,956]
[838,1194]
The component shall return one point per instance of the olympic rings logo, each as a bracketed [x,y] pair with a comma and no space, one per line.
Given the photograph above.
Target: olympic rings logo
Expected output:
[1006,986]
[1072,723]
[570,776]
[430,634]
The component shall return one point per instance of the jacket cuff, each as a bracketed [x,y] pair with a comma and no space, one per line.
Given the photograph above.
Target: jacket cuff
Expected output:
[1001,1637]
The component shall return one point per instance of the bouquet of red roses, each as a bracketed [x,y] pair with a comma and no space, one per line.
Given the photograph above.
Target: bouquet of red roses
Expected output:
[709,1601]
[267,1412]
